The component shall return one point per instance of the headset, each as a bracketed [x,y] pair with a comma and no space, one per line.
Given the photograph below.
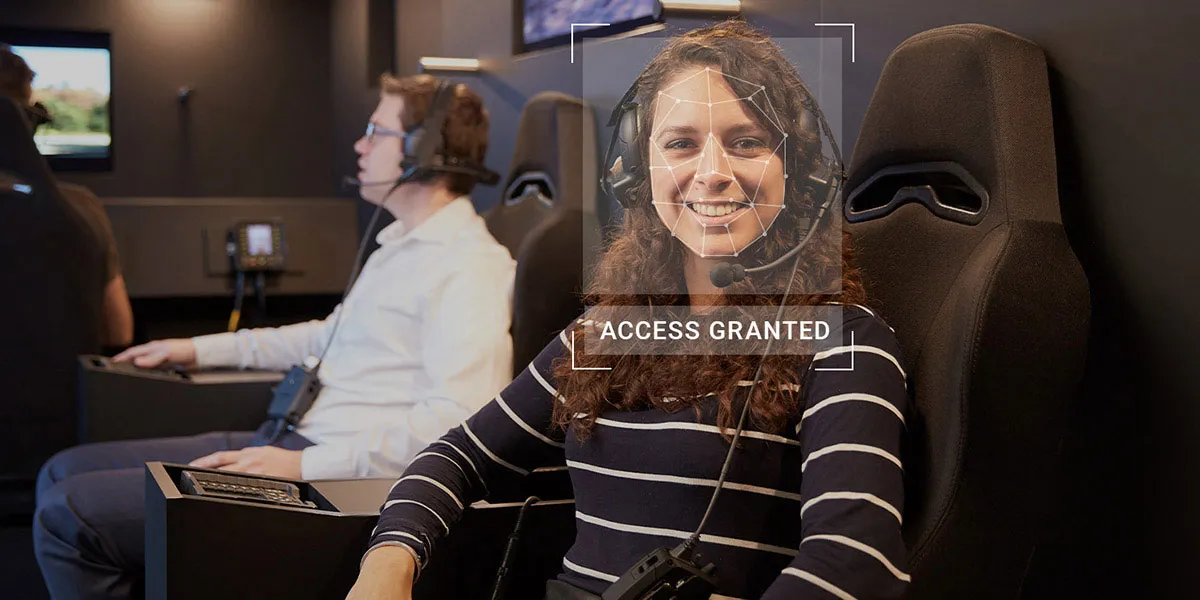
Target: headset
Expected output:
[626,169]
[675,574]
[425,154]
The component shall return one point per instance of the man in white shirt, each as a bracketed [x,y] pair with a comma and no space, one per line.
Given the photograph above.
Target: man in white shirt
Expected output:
[420,343]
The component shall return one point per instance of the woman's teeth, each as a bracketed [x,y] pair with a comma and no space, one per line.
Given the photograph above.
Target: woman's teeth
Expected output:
[714,210]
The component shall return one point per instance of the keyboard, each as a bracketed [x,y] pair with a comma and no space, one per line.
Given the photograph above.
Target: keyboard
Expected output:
[233,487]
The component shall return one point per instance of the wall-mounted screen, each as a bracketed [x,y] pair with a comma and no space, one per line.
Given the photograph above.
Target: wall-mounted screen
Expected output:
[546,23]
[73,82]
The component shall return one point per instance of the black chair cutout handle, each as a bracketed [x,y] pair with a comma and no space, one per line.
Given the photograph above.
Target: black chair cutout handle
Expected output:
[945,188]
[531,185]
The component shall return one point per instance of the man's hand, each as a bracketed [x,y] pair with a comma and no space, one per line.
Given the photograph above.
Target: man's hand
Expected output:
[178,351]
[386,574]
[256,460]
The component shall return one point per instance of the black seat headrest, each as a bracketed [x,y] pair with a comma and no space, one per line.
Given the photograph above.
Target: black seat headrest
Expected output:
[555,150]
[965,95]
[547,218]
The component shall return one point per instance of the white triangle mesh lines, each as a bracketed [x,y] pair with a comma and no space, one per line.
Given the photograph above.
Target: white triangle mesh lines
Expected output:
[716,160]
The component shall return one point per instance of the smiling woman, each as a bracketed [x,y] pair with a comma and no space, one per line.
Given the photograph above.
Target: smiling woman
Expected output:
[716,180]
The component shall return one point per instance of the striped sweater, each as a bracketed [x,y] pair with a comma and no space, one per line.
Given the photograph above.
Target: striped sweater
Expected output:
[811,512]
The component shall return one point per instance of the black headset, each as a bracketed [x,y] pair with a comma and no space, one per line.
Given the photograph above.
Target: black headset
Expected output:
[620,179]
[425,147]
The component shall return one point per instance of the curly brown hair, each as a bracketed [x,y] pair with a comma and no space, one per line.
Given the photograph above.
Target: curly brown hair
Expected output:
[643,256]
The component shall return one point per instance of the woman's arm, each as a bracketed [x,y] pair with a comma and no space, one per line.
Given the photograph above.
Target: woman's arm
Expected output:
[853,480]
[386,574]
[509,437]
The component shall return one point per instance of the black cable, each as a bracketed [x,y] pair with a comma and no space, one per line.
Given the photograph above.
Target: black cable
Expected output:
[260,289]
[686,547]
[362,248]
[509,549]
[282,425]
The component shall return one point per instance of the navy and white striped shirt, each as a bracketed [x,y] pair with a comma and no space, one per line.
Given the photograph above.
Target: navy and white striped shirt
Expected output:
[812,512]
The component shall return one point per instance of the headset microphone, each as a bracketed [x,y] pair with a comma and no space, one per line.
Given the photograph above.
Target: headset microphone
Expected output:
[354,182]
[726,274]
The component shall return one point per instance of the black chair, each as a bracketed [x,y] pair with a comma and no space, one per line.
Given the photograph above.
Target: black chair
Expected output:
[954,207]
[547,218]
[51,271]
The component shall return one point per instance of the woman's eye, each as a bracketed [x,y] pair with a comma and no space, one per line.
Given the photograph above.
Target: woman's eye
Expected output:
[749,144]
[680,144]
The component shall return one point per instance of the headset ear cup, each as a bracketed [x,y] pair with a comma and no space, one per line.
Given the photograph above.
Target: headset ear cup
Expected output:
[623,173]
[631,169]
[631,154]
[410,145]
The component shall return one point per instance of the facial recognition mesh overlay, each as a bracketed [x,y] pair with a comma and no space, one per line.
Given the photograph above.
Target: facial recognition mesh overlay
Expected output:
[727,330]
[730,161]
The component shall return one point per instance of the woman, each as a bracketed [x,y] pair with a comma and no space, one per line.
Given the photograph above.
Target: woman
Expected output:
[813,501]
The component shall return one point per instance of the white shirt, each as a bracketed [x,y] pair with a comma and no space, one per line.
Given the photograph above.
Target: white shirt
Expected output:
[423,343]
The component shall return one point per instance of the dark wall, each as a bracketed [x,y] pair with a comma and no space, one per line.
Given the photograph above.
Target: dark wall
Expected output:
[355,91]
[258,122]
[1122,74]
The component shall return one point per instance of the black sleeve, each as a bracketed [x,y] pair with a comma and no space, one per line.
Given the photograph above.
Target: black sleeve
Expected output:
[852,478]
[509,437]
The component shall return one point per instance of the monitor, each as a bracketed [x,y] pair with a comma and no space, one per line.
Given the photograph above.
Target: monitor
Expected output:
[546,23]
[73,81]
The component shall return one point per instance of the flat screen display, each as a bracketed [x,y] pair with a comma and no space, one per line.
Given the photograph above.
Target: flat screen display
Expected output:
[73,81]
[259,241]
[546,23]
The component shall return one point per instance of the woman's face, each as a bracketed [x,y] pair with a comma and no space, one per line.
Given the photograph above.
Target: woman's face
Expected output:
[716,179]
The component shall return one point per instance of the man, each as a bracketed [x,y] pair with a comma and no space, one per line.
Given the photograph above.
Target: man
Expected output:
[419,344]
[16,83]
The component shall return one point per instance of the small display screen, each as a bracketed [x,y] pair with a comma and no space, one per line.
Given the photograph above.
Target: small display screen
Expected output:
[260,240]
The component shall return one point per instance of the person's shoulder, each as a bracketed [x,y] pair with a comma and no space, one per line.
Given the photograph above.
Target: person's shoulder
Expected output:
[478,252]
[565,339]
[487,268]
[863,326]
[74,188]
[79,195]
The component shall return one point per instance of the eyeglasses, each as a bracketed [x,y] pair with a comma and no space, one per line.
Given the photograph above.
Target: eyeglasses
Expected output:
[374,130]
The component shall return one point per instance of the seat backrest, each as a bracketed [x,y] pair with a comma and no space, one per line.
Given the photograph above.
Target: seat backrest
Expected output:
[51,288]
[547,218]
[954,208]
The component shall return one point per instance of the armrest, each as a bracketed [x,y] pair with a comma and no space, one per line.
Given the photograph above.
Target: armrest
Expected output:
[119,402]
[199,548]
